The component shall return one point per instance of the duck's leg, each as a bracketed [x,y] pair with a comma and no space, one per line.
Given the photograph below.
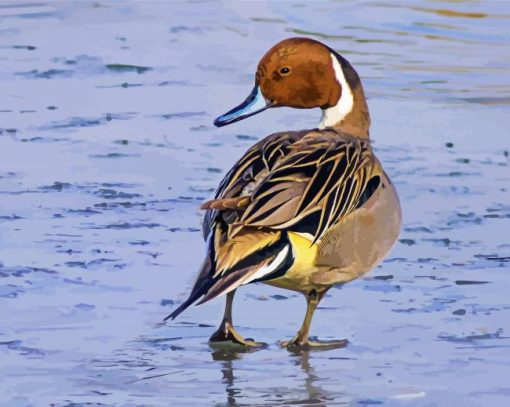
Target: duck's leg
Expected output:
[302,340]
[226,333]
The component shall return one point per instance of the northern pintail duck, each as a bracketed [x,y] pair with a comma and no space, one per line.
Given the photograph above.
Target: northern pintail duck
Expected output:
[301,210]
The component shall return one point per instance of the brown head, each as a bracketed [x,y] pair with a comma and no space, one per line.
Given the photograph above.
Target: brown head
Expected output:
[304,74]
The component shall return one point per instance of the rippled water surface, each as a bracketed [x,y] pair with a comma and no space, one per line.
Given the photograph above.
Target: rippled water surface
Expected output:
[107,149]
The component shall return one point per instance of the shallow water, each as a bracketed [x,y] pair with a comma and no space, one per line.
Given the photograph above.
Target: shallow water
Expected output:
[107,149]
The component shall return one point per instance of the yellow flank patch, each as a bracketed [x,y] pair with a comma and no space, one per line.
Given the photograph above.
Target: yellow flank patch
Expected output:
[298,277]
[305,253]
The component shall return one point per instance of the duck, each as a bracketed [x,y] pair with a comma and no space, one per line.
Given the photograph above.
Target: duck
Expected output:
[301,210]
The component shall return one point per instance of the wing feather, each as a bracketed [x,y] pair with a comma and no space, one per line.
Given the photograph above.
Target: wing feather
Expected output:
[319,174]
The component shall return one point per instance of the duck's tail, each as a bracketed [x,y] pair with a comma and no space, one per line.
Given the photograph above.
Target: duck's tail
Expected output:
[199,289]
[231,262]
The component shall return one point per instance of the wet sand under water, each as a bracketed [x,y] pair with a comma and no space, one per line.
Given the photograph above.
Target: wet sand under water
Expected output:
[107,149]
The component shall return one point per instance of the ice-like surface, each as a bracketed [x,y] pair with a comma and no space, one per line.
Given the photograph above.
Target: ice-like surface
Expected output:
[107,149]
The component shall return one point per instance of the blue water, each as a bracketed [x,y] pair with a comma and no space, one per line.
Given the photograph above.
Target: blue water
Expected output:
[107,149]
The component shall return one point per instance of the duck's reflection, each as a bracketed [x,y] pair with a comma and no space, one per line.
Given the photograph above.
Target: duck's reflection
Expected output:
[226,357]
[315,394]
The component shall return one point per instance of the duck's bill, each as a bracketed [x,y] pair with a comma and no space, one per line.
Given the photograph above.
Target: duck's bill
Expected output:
[254,103]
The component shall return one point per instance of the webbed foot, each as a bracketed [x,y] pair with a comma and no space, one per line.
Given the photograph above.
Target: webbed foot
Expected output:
[297,343]
[227,336]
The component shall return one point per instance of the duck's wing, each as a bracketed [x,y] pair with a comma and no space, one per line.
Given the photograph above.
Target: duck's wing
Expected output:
[236,187]
[317,181]
[321,181]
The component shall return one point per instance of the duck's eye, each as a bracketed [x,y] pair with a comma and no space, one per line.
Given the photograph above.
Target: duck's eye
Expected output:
[285,71]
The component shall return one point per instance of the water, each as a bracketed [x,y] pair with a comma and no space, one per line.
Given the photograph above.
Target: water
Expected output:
[107,149]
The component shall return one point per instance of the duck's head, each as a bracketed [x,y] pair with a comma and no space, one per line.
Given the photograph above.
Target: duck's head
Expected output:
[304,74]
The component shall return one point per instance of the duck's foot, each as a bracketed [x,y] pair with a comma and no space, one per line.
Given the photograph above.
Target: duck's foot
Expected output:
[297,343]
[227,336]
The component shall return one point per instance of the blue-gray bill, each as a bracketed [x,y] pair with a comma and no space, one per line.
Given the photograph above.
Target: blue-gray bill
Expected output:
[254,103]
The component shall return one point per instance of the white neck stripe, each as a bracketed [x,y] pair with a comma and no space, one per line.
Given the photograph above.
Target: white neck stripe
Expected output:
[337,113]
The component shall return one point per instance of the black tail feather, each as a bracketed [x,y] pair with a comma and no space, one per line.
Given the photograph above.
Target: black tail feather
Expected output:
[182,307]
[202,285]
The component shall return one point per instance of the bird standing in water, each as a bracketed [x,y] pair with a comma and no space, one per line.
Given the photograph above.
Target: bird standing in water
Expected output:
[301,210]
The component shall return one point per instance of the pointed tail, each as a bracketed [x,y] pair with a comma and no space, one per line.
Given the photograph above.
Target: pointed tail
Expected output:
[247,258]
[202,285]
[181,308]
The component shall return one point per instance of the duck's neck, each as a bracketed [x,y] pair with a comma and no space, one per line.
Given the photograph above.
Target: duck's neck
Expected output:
[350,113]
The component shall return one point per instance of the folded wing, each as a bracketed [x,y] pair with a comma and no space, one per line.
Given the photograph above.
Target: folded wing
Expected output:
[321,181]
